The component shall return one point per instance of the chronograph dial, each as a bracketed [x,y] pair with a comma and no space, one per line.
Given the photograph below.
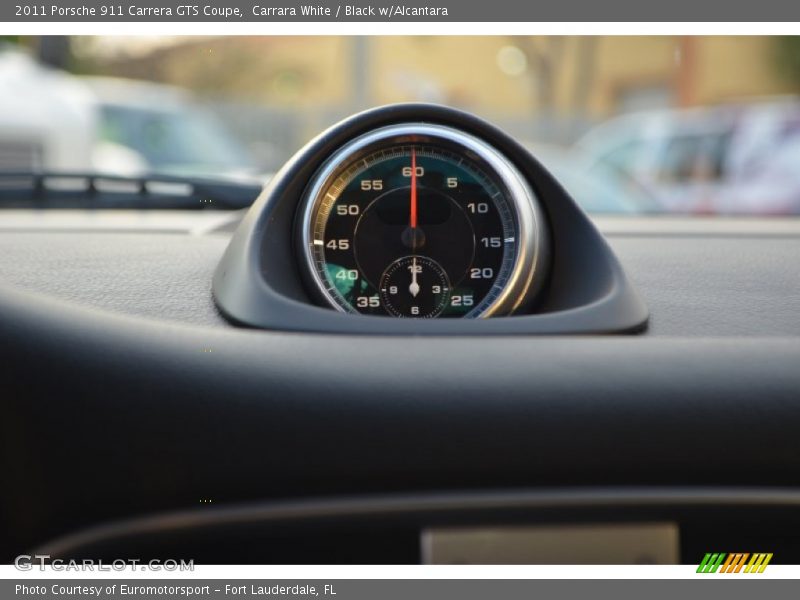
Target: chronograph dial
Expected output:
[422,221]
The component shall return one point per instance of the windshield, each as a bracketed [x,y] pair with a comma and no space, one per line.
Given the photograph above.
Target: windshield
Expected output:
[684,125]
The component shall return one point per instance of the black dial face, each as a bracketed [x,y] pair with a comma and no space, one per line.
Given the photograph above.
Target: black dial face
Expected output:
[415,286]
[415,226]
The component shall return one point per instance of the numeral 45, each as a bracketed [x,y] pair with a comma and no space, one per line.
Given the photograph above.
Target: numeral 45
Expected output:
[338,244]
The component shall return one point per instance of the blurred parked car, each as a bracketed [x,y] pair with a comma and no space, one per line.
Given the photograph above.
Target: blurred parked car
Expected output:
[742,159]
[59,122]
[594,187]
[150,127]
[47,117]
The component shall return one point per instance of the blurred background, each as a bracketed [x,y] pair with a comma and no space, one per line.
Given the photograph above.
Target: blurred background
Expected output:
[674,124]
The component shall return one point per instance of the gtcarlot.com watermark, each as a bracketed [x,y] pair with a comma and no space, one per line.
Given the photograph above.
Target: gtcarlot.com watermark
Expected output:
[27,562]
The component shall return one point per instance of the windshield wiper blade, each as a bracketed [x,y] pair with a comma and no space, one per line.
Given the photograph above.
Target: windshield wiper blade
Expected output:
[90,190]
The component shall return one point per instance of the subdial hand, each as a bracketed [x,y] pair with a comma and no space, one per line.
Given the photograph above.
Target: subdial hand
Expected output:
[414,287]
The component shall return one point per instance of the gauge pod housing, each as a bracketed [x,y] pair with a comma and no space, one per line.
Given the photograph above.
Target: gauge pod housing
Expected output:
[266,278]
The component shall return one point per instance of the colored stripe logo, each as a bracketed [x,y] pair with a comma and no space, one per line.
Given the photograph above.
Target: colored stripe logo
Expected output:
[722,562]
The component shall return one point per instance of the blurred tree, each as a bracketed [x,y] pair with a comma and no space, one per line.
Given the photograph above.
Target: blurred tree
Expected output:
[54,50]
[787,50]
[545,54]
[51,50]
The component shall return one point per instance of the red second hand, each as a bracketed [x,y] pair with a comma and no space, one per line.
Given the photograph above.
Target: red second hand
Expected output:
[413,188]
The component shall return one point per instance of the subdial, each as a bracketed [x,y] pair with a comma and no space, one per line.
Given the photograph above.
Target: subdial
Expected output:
[415,287]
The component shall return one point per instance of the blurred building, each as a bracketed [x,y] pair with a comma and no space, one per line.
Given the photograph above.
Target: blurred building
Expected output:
[547,87]
[599,74]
